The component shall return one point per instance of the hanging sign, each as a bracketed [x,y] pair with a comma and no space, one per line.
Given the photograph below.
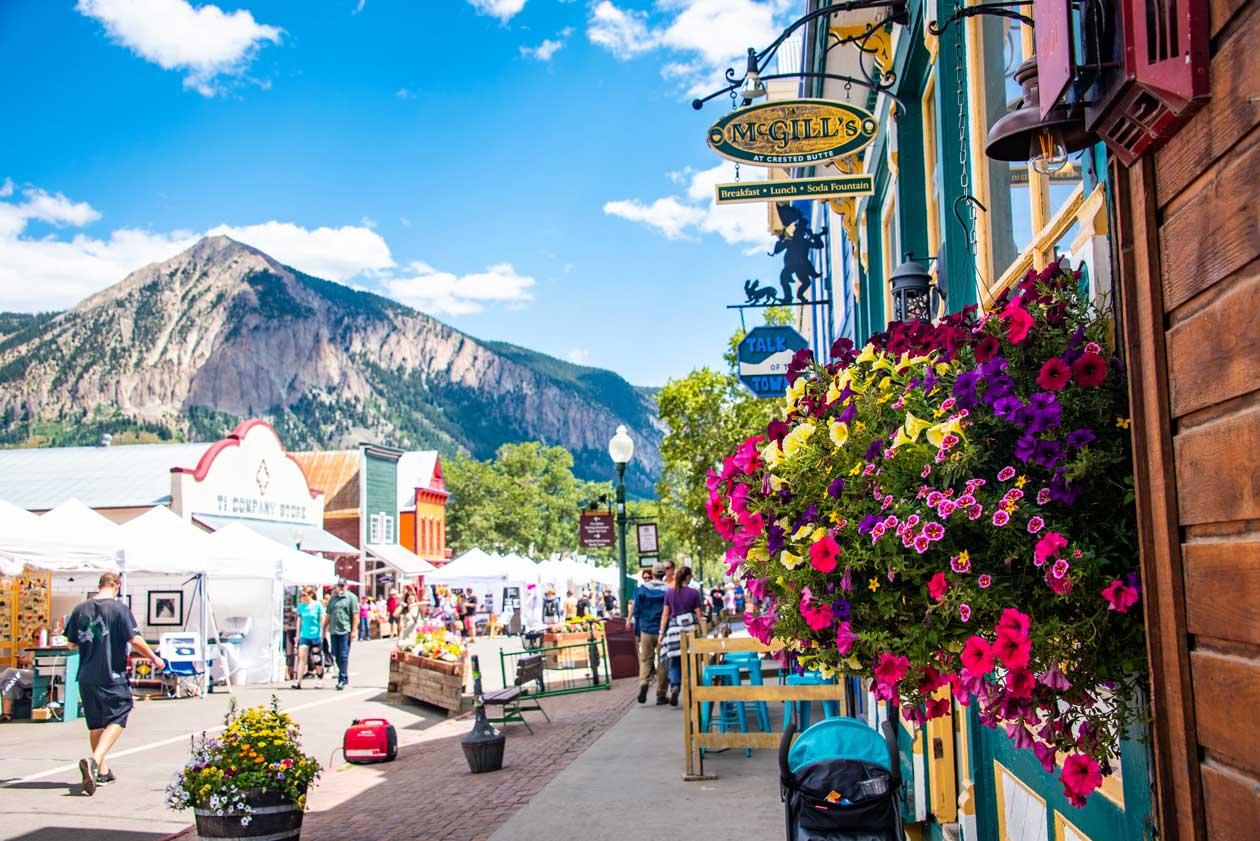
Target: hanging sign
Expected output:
[792,132]
[764,355]
[647,538]
[596,531]
[836,187]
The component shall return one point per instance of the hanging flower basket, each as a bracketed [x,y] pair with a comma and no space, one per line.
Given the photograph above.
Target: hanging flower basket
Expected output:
[953,506]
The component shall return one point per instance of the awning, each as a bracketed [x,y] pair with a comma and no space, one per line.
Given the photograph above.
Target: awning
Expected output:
[307,537]
[400,558]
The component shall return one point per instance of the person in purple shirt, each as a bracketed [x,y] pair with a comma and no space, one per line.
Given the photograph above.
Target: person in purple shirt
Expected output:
[681,615]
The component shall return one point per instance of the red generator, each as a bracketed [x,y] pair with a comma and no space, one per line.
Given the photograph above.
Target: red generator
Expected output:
[370,740]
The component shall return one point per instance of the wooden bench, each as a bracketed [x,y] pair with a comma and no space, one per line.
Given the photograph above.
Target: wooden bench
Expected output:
[516,700]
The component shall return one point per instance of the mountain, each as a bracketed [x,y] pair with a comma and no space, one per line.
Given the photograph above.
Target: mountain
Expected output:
[185,348]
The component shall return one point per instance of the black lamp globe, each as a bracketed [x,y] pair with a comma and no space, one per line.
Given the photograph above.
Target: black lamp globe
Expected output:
[912,292]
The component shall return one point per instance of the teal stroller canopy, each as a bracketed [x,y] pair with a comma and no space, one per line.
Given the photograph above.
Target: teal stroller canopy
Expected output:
[839,738]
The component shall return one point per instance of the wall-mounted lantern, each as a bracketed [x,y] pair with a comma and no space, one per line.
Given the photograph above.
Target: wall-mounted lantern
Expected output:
[1025,135]
[914,296]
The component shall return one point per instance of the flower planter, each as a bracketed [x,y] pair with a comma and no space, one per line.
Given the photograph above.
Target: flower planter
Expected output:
[568,658]
[272,816]
[435,682]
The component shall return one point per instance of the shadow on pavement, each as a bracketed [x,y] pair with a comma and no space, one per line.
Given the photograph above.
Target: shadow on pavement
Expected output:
[66,833]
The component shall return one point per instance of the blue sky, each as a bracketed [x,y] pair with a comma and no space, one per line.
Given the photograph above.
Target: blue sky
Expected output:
[526,170]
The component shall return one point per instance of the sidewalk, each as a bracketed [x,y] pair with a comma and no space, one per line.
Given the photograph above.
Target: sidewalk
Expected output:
[628,785]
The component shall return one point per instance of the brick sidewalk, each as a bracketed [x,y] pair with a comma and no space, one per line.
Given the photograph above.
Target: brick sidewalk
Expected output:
[428,794]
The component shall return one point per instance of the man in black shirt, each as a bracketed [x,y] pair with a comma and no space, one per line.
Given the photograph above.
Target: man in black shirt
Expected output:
[103,629]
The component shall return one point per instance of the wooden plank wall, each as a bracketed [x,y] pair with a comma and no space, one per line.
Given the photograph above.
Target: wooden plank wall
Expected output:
[1188,244]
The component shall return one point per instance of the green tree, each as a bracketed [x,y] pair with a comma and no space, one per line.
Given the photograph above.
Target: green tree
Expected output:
[526,500]
[708,413]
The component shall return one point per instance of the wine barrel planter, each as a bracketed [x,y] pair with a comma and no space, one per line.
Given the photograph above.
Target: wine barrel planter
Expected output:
[273,817]
[435,682]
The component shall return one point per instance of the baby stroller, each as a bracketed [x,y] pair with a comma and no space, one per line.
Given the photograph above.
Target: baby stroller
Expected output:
[840,781]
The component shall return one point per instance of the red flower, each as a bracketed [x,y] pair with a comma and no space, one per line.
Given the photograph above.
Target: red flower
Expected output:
[1012,651]
[938,586]
[891,668]
[823,554]
[977,656]
[1018,323]
[937,707]
[1014,623]
[987,349]
[1055,374]
[1081,775]
[1119,596]
[1019,683]
[1089,370]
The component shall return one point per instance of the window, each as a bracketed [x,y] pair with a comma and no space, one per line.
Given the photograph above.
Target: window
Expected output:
[374,528]
[1025,208]
[930,170]
[388,529]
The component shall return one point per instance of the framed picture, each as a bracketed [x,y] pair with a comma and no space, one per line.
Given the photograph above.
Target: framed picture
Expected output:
[166,607]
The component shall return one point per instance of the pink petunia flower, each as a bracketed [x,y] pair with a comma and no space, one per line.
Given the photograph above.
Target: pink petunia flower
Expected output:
[824,553]
[960,564]
[1080,777]
[938,586]
[1006,474]
[964,612]
[977,656]
[922,544]
[1043,496]
[984,581]
[933,531]
[975,512]
[1119,596]
[1001,518]
[845,639]
[1049,547]
[1035,524]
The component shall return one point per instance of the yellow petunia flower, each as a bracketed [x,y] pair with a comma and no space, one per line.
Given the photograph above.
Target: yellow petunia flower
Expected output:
[1021,481]
[819,534]
[915,427]
[874,585]
[937,433]
[801,533]
[758,553]
[777,483]
[839,433]
[796,439]
[867,355]
[790,560]
[794,393]
[771,454]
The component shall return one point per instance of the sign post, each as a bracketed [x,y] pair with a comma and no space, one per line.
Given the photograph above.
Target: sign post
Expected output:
[764,355]
[596,530]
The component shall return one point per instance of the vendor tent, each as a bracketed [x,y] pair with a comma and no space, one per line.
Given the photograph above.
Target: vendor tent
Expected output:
[69,538]
[486,574]
[237,551]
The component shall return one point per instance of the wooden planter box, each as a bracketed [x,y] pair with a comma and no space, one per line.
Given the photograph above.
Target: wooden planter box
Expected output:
[569,658]
[434,682]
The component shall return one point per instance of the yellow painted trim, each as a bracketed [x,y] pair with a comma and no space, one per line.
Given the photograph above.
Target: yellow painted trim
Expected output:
[1062,824]
[928,104]
[1092,215]
[887,220]
[978,163]
[880,42]
[998,770]
[942,772]
[1037,254]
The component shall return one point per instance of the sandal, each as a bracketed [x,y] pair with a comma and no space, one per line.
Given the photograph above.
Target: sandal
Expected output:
[295,686]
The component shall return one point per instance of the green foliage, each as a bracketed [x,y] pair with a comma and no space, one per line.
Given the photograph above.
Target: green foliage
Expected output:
[526,500]
[708,413]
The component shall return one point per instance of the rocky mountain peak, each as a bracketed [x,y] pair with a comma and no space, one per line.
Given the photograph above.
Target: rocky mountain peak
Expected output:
[223,331]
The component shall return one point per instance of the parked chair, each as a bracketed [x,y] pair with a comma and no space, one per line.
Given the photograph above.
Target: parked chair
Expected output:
[830,709]
[731,714]
[751,662]
[516,700]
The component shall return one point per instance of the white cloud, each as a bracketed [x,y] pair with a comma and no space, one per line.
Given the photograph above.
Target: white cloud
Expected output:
[738,224]
[504,10]
[41,273]
[579,356]
[359,7]
[405,93]
[703,37]
[668,215]
[205,43]
[549,47]
[445,293]
[623,32]
[332,253]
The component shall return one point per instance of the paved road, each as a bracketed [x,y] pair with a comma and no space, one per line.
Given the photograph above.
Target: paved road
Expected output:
[40,796]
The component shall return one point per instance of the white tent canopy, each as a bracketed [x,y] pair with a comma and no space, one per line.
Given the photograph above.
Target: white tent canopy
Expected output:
[486,574]
[69,538]
[237,551]
[160,541]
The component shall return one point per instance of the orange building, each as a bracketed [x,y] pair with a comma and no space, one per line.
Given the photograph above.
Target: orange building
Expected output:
[422,506]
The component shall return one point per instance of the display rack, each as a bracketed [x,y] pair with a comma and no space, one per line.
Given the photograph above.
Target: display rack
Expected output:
[25,606]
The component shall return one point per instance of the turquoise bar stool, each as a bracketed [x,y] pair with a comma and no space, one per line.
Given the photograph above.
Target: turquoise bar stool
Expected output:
[830,709]
[751,662]
[730,713]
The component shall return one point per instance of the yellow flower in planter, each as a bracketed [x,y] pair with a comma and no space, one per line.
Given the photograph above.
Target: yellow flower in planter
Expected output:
[915,427]
[839,433]
[867,355]
[797,438]
[771,454]
[937,433]
[790,560]
[758,553]
[794,393]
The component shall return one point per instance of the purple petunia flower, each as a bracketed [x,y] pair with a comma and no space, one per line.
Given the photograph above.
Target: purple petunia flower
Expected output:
[1062,490]
[807,516]
[1048,454]
[1044,412]
[848,413]
[875,450]
[868,523]
[1009,408]
[840,609]
[774,539]
[1080,437]
[1025,447]
[836,488]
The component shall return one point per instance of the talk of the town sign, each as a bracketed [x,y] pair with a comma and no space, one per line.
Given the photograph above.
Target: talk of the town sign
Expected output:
[792,132]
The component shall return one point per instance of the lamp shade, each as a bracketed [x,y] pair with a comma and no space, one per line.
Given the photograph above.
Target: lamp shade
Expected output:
[621,447]
[1013,136]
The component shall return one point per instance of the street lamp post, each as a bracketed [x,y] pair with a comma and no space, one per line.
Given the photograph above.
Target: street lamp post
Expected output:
[621,450]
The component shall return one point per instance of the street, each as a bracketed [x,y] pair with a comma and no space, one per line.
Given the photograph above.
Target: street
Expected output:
[40,794]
